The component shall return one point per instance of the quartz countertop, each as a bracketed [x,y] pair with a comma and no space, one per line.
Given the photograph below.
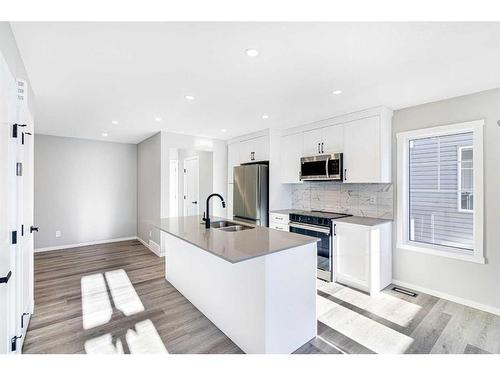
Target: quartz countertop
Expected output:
[231,246]
[367,221]
[360,220]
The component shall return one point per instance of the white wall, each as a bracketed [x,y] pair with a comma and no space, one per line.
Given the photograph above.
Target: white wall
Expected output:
[149,185]
[479,283]
[153,165]
[85,189]
[219,160]
[11,54]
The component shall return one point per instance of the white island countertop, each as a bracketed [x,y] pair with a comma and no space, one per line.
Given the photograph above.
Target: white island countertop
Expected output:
[231,246]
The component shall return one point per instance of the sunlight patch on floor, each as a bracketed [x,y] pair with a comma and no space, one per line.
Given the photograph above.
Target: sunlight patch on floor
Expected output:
[367,332]
[389,307]
[143,339]
[123,293]
[96,307]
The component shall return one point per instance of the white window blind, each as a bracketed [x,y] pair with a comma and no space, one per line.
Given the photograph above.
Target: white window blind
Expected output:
[441,191]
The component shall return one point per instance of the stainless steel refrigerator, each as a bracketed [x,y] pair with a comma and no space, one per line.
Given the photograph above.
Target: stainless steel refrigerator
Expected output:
[251,192]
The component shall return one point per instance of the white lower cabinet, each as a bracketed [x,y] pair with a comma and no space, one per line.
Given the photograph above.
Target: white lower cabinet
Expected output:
[279,221]
[363,256]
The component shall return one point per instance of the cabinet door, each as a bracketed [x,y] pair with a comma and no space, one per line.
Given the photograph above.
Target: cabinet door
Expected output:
[245,151]
[352,255]
[229,212]
[291,152]
[312,142]
[362,161]
[332,139]
[260,148]
[233,159]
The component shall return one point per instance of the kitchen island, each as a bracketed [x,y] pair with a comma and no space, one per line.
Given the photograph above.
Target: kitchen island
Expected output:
[256,284]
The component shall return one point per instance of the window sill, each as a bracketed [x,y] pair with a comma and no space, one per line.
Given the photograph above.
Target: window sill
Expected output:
[446,254]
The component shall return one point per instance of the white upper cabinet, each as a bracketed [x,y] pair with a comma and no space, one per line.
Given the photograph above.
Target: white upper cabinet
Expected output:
[312,142]
[323,140]
[367,151]
[255,149]
[291,152]
[233,159]
[332,139]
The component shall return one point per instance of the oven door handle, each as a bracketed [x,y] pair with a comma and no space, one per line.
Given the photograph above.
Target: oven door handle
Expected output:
[313,228]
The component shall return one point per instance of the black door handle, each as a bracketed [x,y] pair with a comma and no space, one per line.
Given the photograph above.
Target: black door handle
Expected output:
[33,229]
[5,280]
[195,202]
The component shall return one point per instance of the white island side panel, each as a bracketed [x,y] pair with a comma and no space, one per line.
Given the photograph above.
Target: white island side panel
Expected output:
[265,305]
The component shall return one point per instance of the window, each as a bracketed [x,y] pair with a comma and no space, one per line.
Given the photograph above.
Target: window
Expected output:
[440,191]
[465,179]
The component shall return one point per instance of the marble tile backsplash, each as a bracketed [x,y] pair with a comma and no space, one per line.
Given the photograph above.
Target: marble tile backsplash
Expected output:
[367,200]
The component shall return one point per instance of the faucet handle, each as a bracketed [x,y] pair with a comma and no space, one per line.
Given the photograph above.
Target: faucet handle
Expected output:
[204,216]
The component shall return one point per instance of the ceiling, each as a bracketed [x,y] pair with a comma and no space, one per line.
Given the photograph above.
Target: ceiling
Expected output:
[85,75]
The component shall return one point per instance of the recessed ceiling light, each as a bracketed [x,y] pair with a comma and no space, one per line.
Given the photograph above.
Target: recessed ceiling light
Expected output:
[104,134]
[265,117]
[223,130]
[252,52]
[189,97]
[337,92]
[157,118]
[114,122]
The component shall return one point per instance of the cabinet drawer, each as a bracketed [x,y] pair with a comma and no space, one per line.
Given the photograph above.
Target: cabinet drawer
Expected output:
[279,218]
[282,227]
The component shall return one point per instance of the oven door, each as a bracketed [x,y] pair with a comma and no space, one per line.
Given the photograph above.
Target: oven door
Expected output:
[324,252]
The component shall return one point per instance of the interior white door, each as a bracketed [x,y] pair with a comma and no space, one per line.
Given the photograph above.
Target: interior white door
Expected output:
[24,253]
[173,188]
[8,200]
[362,151]
[191,186]
[16,214]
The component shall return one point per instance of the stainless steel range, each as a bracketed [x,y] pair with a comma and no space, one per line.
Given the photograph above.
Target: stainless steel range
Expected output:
[318,224]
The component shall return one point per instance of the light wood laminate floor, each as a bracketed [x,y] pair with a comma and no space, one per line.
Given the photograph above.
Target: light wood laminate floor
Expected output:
[114,298]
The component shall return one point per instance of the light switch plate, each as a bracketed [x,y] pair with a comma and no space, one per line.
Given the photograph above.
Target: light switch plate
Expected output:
[58,233]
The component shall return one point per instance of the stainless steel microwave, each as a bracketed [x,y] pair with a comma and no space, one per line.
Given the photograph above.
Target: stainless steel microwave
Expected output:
[321,168]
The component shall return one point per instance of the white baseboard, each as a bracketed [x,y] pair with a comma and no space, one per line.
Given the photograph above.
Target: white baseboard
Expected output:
[449,297]
[70,246]
[153,246]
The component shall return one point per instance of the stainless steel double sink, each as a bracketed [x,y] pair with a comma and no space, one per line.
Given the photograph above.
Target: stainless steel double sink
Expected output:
[229,226]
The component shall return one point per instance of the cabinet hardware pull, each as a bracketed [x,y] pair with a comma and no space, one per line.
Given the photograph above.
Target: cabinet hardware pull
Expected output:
[345,174]
[319,152]
[322,151]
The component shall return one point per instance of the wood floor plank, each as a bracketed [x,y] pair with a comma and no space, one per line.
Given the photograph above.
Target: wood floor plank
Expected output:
[432,325]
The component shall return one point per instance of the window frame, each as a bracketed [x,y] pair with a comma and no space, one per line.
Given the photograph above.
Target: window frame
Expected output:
[459,179]
[403,242]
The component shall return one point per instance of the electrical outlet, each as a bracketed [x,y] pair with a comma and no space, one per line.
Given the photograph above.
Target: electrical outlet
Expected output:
[373,200]
[150,232]
[58,233]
